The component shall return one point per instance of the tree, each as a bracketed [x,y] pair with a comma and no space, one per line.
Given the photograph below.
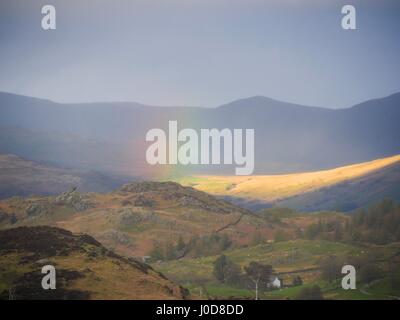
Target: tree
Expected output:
[394,271]
[280,236]
[157,253]
[181,244]
[232,273]
[208,245]
[258,272]
[369,272]
[379,223]
[219,268]
[257,239]
[226,271]
[331,268]
[312,231]
[338,231]
[310,293]
[169,251]
[297,281]
[299,233]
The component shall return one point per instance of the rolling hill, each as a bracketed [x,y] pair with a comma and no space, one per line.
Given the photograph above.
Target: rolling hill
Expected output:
[343,188]
[157,219]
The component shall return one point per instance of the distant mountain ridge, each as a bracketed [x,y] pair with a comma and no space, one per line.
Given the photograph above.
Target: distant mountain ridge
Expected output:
[288,137]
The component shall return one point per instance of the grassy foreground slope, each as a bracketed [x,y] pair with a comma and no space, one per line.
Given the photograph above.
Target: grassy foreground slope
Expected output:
[84,268]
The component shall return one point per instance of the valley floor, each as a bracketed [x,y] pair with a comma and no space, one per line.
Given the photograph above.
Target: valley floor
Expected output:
[289,259]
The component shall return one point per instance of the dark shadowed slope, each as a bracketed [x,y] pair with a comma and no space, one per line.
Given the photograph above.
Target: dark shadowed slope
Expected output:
[20,177]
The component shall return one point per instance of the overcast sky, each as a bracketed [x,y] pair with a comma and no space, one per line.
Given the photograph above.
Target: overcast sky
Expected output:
[201,52]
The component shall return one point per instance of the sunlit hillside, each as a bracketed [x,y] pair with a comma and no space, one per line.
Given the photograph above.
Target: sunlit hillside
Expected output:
[270,188]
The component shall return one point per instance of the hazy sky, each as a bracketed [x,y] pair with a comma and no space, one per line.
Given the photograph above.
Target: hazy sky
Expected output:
[201,52]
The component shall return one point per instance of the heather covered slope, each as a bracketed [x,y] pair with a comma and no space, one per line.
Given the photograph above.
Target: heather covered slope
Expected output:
[84,268]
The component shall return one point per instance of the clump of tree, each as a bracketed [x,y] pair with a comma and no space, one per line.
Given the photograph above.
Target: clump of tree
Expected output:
[394,274]
[209,245]
[169,250]
[226,271]
[331,229]
[280,235]
[297,281]
[257,239]
[379,224]
[275,215]
[163,251]
[256,275]
[195,247]
[331,268]
[367,267]
[310,293]
[370,272]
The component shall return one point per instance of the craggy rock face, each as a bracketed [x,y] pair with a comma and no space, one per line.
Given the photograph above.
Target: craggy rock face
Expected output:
[84,268]
[74,200]
[137,187]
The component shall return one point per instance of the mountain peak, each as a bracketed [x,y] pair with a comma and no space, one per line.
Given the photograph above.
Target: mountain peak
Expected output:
[262,102]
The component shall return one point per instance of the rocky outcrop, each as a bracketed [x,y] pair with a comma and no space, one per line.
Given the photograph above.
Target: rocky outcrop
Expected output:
[116,237]
[143,201]
[36,209]
[129,216]
[146,193]
[73,199]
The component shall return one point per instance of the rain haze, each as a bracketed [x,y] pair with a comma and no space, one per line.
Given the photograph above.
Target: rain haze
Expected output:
[200,53]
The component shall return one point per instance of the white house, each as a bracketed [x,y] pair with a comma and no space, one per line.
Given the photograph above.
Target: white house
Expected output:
[276,283]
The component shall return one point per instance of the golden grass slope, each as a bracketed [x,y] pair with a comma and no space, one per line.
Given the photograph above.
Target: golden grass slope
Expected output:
[274,187]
